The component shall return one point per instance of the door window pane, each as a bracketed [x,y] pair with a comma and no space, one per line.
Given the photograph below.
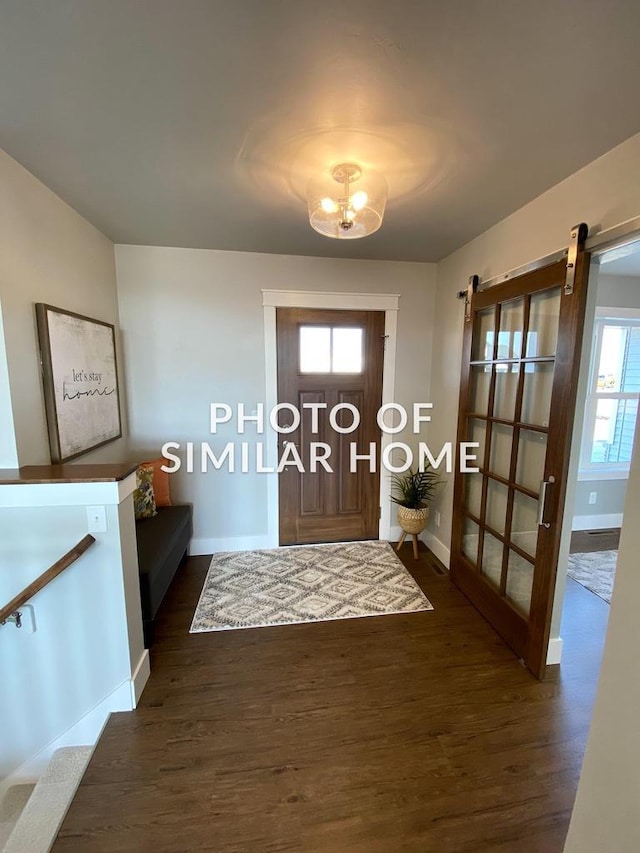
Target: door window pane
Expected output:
[519,581]
[524,523]
[510,333]
[484,335]
[470,539]
[347,350]
[496,511]
[500,458]
[478,435]
[473,493]
[479,396]
[544,313]
[315,349]
[331,350]
[532,452]
[536,395]
[492,559]
[504,403]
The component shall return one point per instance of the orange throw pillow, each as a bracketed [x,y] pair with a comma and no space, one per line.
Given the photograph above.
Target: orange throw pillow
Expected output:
[160,481]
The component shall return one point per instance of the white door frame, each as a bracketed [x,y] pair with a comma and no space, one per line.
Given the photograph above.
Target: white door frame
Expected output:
[272,299]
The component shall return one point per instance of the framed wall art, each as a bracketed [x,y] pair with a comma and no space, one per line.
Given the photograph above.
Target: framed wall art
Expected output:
[80,381]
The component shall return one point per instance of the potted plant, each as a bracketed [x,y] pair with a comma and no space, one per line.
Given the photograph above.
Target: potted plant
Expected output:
[412,491]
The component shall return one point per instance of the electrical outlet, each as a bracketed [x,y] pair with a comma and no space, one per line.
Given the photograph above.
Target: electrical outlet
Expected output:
[437,517]
[593,497]
[96,519]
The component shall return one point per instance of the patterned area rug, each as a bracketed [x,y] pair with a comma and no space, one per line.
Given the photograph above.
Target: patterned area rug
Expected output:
[306,583]
[596,571]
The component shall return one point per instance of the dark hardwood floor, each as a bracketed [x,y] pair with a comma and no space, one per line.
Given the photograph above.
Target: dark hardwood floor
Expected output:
[417,732]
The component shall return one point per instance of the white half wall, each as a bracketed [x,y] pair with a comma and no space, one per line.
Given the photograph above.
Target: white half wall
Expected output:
[48,253]
[194,334]
[80,653]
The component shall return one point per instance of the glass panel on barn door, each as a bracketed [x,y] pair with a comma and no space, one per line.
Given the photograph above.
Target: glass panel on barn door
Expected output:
[544,314]
[519,581]
[470,540]
[510,332]
[504,403]
[479,391]
[500,457]
[536,395]
[492,559]
[496,510]
[532,452]
[473,494]
[484,335]
[524,523]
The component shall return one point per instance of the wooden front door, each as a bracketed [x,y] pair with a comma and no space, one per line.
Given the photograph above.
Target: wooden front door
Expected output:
[328,361]
[520,366]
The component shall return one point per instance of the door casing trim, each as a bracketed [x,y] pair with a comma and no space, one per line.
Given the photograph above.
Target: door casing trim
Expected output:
[272,299]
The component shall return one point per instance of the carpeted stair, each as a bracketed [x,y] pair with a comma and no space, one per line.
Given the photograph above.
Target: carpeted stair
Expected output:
[37,826]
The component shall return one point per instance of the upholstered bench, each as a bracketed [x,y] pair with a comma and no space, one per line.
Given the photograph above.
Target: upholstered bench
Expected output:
[162,546]
[163,532]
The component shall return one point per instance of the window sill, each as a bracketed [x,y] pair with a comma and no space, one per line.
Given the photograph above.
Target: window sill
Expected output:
[605,474]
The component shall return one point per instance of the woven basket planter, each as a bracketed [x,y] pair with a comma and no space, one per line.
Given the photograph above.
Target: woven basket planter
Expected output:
[413,520]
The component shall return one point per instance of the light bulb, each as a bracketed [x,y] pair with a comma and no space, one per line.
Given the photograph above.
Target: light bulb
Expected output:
[328,205]
[359,199]
[350,214]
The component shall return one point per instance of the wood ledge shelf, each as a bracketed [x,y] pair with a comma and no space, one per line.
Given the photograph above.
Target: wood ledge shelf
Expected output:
[70,473]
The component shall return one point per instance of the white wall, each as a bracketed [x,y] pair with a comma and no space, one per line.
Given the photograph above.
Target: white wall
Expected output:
[605,816]
[193,333]
[617,291]
[8,449]
[48,253]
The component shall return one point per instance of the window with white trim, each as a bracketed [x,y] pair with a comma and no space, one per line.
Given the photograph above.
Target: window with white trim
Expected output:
[614,389]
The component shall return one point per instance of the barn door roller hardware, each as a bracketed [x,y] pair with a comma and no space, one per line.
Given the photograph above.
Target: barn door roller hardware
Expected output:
[467,295]
[576,245]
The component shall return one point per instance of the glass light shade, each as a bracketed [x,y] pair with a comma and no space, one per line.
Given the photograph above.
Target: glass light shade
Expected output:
[347,202]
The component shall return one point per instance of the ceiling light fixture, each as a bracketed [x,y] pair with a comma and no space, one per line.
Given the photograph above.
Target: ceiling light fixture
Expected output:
[348,202]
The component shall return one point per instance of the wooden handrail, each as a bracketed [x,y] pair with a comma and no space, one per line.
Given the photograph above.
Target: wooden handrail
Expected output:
[46,577]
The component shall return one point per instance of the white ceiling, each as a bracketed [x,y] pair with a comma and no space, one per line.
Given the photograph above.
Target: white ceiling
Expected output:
[624,261]
[197,122]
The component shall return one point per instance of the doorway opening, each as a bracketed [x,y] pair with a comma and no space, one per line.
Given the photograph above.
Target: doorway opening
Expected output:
[603,448]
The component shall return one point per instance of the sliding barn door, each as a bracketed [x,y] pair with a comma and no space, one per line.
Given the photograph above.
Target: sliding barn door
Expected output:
[521,357]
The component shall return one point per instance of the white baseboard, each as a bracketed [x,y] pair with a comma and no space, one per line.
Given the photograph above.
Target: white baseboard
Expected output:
[198,547]
[554,651]
[84,732]
[140,677]
[439,548]
[597,522]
